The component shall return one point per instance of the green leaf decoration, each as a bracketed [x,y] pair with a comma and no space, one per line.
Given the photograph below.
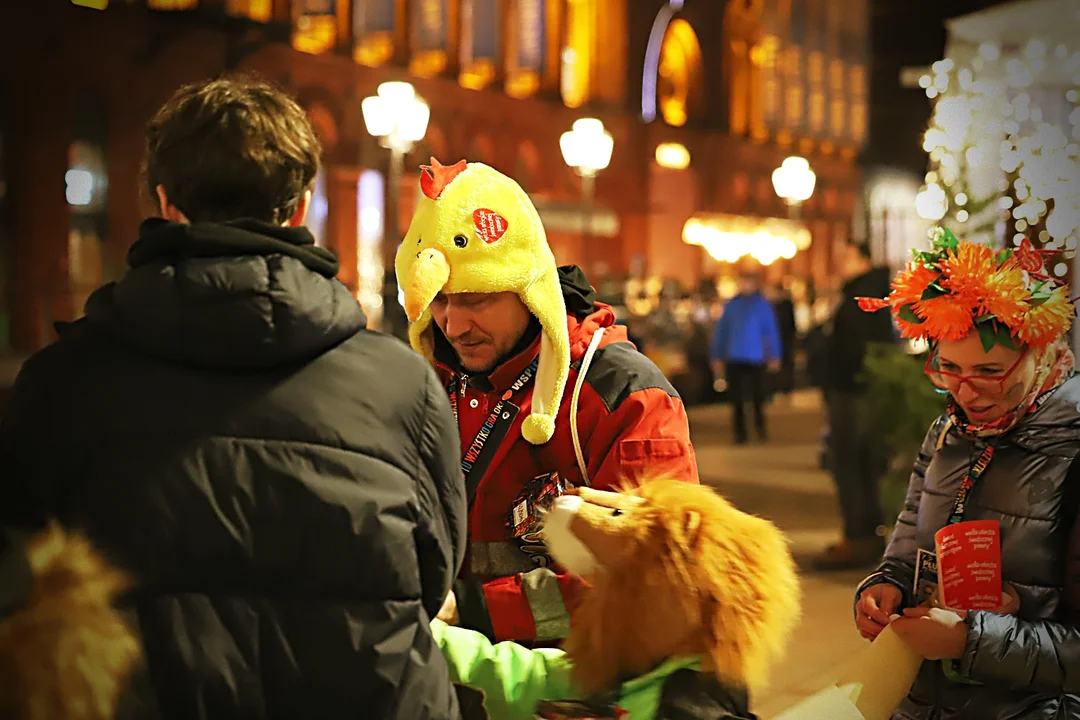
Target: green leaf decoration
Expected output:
[995,333]
[988,335]
[908,315]
[1039,298]
[933,290]
[948,240]
[1004,255]
[984,318]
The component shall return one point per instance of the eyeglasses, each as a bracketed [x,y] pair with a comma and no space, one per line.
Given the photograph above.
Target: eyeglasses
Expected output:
[981,384]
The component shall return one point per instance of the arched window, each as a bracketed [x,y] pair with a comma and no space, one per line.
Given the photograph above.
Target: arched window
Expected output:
[257,10]
[374,27]
[528,48]
[794,73]
[679,74]
[577,56]
[742,31]
[315,26]
[429,37]
[672,82]
[172,4]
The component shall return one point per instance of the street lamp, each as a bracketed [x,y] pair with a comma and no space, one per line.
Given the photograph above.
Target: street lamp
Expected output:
[399,118]
[794,182]
[587,149]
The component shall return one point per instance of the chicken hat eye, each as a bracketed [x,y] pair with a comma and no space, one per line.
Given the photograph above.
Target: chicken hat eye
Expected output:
[461,241]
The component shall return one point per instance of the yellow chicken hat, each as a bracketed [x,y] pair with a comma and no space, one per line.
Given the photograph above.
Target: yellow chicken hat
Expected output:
[476,231]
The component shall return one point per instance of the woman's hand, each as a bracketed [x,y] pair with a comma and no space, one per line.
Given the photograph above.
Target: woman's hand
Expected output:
[876,604]
[934,633]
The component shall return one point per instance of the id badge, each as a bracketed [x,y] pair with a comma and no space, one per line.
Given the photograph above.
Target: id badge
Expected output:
[577,710]
[525,519]
[926,577]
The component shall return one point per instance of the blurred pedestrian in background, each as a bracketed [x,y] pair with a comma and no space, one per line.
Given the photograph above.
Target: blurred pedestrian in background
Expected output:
[746,342]
[857,458]
[784,307]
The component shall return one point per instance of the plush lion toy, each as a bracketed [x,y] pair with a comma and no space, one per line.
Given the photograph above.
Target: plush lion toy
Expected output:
[690,602]
[65,654]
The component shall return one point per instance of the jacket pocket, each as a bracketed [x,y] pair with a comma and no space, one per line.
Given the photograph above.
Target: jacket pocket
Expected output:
[637,453]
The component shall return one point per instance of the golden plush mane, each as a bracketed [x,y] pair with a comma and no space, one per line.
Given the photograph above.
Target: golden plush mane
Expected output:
[66,654]
[701,566]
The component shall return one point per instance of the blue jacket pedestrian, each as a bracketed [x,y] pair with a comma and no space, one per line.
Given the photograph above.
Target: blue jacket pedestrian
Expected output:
[747,332]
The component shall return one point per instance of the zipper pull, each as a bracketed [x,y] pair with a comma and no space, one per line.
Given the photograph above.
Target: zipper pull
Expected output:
[464,383]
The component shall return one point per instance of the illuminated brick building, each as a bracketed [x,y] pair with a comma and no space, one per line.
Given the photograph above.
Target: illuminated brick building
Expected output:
[740,85]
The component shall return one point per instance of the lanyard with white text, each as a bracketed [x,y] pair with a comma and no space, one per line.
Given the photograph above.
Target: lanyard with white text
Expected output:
[468,459]
[972,477]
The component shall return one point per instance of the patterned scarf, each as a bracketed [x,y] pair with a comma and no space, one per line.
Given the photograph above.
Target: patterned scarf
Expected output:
[1054,368]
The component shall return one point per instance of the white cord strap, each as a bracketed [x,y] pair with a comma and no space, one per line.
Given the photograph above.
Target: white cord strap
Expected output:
[585,362]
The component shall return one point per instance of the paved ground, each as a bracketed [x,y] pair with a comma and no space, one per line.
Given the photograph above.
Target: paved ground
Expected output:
[780,480]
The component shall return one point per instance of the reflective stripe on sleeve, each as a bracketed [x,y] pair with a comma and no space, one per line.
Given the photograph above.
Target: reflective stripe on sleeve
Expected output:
[545,598]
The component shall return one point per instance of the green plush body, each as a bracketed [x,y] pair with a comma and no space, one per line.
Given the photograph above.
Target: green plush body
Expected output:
[514,679]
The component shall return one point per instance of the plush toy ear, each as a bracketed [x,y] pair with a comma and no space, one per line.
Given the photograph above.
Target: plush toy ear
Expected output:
[691,524]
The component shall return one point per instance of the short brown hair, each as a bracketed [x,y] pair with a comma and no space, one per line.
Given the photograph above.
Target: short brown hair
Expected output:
[230,148]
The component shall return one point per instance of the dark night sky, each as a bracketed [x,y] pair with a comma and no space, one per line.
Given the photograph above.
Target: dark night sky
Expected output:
[905,33]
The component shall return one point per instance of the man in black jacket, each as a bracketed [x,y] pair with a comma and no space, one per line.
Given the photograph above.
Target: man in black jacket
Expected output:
[283,484]
[856,458]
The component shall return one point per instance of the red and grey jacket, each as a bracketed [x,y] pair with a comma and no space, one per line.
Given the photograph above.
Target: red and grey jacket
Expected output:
[631,425]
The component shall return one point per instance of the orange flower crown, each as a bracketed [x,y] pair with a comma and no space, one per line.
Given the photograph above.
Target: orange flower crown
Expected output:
[958,286]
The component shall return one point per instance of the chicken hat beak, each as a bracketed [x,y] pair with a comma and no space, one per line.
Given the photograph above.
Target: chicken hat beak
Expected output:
[426,278]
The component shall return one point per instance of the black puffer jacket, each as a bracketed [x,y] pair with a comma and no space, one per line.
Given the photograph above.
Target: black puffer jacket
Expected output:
[853,331]
[284,484]
[1027,666]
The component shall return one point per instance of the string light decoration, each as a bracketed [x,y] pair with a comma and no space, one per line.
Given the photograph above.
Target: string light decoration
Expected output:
[986,125]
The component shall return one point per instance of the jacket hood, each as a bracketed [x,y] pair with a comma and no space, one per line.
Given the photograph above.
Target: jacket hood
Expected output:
[231,296]
[1057,422]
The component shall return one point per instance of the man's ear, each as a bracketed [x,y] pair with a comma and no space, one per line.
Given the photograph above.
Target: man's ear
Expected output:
[300,216]
[169,211]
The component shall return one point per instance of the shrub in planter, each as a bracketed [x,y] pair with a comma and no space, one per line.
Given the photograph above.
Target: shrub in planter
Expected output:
[899,406]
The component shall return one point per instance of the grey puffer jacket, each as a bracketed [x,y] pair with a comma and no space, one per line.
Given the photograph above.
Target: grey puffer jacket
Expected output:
[1027,666]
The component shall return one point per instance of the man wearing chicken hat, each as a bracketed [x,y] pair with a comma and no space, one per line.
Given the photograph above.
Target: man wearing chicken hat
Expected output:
[547,390]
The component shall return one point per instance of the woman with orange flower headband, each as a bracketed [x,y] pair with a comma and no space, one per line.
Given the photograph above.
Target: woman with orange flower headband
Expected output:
[1005,451]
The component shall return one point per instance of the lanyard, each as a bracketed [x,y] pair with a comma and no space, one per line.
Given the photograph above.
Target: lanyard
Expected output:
[468,460]
[968,482]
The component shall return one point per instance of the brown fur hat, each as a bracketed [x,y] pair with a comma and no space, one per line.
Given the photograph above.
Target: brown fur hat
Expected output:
[65,653]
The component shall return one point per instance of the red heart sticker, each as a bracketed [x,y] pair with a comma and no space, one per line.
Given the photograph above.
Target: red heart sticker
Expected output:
[490,225]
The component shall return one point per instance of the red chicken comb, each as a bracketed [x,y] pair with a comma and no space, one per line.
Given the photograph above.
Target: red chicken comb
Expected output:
[435,177]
